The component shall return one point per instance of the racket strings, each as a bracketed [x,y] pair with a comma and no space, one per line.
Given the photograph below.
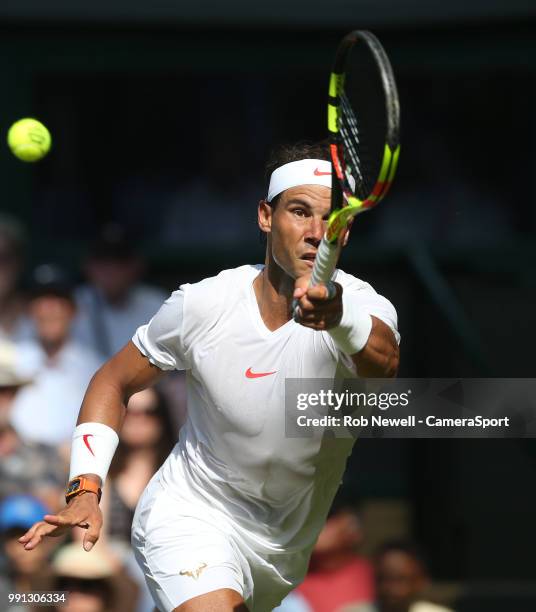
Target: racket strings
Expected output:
[353,146]
[350,132]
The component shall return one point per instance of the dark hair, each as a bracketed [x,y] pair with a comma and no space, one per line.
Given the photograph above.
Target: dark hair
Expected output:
[286,153]
[165,443]
[12,532]
[345,501]
[408,548]
[112,243]
[15,234]
[101,587]
[51,280]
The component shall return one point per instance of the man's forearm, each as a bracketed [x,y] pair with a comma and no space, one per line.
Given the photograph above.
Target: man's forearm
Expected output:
[380,356]
[104,401]
[110,389]
[103,410]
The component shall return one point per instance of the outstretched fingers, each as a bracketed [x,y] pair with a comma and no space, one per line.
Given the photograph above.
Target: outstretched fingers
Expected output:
[83,511]
[91,521]
[35,534]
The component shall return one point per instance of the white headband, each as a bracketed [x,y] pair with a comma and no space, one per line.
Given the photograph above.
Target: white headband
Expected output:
[302,172]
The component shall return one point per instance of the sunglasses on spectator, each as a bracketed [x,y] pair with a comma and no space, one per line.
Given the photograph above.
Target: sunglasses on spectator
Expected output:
[143,412]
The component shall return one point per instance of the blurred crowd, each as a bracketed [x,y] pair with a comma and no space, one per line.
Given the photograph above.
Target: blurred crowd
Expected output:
[341,579]
[53,337]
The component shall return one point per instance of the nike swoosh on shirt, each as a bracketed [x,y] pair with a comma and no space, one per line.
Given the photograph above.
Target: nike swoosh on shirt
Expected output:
[85,437]
[250,374]
[318,172]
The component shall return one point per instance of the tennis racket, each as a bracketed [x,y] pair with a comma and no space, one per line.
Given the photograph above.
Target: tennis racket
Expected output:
[363,124]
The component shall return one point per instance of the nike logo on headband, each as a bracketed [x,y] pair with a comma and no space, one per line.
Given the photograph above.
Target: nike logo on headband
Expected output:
[318,172]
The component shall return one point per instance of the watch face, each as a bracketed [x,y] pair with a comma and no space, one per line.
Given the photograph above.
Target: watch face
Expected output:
[73,486]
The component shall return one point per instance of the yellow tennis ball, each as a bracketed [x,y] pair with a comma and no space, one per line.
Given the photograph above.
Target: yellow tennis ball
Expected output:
[29,140]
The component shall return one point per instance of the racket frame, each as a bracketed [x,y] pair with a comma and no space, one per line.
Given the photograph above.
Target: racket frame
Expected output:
[345,205]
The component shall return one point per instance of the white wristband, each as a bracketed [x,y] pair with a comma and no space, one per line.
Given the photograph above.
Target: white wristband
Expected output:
[92,450]
[352,333]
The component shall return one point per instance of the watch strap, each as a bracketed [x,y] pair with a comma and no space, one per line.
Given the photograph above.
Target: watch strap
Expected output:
[80,485]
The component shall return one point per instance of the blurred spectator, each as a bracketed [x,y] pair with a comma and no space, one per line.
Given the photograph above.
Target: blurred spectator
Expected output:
[227,180]
[401,580]
[114,304]
[146,439]
[294,602]
[14,324]
[24,466]
[95,582]
[46,411]
[338,576]
[24,571]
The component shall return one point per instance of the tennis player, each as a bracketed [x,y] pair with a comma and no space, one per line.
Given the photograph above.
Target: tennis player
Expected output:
[229,520]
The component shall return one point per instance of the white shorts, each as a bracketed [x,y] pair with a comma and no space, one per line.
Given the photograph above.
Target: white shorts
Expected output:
[182,555]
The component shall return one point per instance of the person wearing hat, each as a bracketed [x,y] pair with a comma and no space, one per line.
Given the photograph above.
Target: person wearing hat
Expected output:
[12,377]
[24,465]
[22,573]
[94,582]
[46,411]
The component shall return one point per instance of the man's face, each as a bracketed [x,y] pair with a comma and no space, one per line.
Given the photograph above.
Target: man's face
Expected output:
[25,561]
[52,317]
[341,533]
[84,595]
[142,427]
[400,579]
[82,601]
[295,227]
[114,277]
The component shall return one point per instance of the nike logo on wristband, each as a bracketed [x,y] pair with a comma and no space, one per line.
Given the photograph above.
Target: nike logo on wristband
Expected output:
[318,172]
[85,438]
[250,374]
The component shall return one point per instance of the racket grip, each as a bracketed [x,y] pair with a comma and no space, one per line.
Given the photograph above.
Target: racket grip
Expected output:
[325,262]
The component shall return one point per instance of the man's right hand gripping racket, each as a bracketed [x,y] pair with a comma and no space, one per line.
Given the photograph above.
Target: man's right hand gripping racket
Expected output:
[363,123]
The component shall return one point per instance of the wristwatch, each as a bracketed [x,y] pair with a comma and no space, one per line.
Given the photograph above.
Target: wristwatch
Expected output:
[80,485]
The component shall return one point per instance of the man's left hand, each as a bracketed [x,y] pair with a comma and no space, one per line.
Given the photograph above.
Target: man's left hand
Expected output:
[316,308]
